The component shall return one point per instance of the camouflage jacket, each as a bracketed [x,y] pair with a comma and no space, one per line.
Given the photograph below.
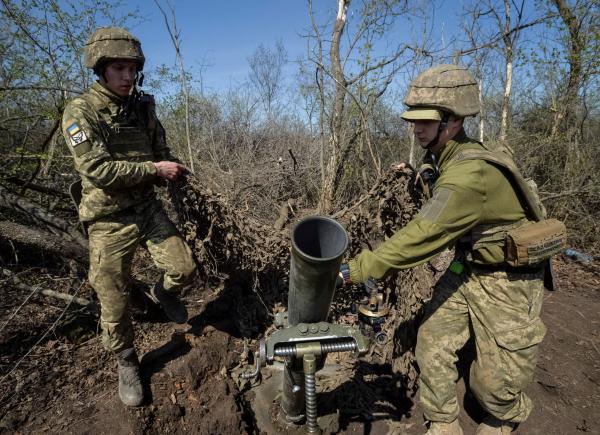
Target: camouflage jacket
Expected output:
[114,147]
[468,195]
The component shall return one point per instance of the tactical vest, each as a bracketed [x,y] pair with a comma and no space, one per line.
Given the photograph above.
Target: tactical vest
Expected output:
[128,137]
[528,242]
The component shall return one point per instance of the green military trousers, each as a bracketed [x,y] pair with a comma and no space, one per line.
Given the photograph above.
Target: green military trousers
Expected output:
[113,241]
[501,311]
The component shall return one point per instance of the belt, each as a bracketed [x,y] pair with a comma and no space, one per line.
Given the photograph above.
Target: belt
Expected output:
[505,268]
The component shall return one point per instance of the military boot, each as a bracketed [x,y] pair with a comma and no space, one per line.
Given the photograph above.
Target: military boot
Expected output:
[441,428]
[171,305]
[130,384]
[492,426]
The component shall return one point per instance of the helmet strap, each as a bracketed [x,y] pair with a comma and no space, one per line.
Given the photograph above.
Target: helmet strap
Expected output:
[100,69]
[140,79]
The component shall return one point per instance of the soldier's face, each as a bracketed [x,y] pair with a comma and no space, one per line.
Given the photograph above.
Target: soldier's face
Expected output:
[426,131]
[119,76]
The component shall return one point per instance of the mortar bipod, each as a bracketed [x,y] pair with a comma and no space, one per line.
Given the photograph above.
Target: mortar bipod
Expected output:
[308,342]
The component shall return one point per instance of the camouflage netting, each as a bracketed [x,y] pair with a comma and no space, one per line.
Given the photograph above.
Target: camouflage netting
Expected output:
[232,247]
[391,204]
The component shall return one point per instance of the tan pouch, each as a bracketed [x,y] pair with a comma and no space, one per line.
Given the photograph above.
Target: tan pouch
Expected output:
[533,243]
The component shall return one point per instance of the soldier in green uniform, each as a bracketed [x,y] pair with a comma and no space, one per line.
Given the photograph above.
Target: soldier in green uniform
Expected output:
[472,207]
[120,152]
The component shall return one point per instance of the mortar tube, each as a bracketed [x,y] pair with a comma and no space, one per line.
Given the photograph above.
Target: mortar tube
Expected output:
[318,245]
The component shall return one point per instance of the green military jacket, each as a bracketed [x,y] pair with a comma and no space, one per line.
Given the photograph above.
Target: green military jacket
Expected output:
[114,147]
[467,194]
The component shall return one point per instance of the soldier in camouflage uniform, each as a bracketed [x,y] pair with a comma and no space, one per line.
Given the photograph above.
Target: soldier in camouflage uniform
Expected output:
[473,205]
[120,152]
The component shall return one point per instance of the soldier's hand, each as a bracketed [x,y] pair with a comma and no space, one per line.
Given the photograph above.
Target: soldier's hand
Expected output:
[169,170]
[402,166]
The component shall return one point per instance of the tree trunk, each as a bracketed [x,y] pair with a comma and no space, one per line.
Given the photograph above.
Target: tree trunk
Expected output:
[481,121]
[508,53]
[411,153]
[565,114]
[52,146]
[506,97]
[329,186]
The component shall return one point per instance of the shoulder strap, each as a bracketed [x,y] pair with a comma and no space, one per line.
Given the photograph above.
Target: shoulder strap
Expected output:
[528,196]
[146,106]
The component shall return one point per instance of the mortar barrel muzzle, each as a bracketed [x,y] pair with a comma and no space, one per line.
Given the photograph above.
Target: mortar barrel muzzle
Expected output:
[318,245]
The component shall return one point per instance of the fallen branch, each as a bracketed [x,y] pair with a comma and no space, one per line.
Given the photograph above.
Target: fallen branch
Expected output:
[24,238]
[37,187]
[15,282]
[40,214]
[545,196]
[285,211]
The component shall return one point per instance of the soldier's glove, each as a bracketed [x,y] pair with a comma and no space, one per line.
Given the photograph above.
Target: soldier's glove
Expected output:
[343,277]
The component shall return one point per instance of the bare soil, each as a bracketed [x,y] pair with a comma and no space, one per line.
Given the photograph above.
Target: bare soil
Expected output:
[69,387]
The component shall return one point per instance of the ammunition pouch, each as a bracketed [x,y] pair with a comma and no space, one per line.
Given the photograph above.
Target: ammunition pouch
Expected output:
[533,243]
[525,243]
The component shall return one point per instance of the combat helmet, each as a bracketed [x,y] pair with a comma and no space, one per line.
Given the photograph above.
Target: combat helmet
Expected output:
[440,91]
[111,43]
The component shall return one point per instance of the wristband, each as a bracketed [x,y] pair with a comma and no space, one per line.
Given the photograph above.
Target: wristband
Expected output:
[345,273]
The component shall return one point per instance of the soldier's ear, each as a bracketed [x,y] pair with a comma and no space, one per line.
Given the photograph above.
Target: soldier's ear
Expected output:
[457,120]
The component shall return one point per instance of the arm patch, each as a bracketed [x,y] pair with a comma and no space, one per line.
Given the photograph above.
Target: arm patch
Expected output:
[78,140]
[433,208]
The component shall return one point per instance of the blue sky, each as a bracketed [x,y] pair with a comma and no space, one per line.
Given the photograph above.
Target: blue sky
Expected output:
[219,36]
[222,34]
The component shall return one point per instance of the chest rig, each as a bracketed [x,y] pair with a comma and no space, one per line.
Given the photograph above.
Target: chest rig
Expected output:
[130,131]
[127,131]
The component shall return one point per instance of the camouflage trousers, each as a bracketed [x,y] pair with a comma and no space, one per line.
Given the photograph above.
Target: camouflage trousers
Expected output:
[113,241]
[500,310]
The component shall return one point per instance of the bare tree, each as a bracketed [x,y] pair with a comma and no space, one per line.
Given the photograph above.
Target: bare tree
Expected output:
[344,81]
[579,18]
[266,73]
[509,40]
[337,109]
[482,39]
[507,35]
[175,35]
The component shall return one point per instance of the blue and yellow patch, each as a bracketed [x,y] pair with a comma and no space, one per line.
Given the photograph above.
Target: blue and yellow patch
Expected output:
[76,134]
[73,129]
